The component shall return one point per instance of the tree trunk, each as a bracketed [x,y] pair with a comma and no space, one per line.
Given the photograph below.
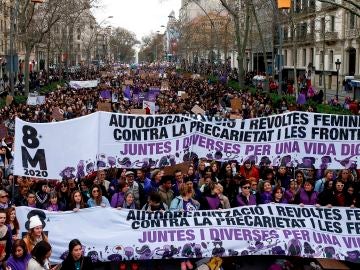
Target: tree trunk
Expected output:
[240,58]
[28,49]
[266,84]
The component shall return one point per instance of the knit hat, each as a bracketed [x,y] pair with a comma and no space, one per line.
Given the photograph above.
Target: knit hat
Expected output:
[34,222]
[129,173]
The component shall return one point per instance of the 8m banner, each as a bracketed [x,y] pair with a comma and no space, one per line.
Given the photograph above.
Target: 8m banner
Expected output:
[273,229]
[77,147]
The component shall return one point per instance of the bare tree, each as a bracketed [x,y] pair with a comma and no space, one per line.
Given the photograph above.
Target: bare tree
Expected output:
[122,42]
[36,20]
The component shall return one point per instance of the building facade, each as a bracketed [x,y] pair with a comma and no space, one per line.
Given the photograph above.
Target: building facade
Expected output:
[316,36]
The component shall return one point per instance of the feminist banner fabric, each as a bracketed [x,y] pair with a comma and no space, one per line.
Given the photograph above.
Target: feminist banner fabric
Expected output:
[80,146]
[109,234]
[83,84]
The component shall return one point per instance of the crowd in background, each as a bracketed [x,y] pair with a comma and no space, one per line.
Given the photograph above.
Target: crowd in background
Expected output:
[203,184]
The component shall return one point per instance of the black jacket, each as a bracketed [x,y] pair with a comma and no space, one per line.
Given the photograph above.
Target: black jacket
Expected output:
[69,263]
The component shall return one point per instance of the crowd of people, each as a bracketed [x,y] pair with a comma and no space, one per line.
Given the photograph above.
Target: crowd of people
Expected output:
[202,185]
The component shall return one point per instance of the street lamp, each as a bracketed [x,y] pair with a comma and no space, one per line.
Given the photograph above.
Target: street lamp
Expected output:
[337,63]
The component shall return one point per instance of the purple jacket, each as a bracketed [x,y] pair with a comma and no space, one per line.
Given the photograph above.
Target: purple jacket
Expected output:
[289,196]
[117,200]
[242,200]
[265,197]
[18,264]
[306,199]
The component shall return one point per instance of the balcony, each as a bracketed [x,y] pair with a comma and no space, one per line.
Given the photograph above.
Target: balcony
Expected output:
[331,36]
[352,33]
[328,7]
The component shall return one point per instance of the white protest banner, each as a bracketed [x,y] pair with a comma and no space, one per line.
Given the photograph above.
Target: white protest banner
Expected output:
[272,229]
[296,139]
[31,100]
[83,84]
[45,143]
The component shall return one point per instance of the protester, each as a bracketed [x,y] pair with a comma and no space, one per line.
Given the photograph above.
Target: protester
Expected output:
[185,201]
[40,257]
[4,199]
[165,191]
[35,233]
[75,259]
[265,195]
[97,199]
[211,201]
[77,201]
[154,203]
[245,197]
[5,237]
[129,201]
[291,192]
[118,198]
[278,195]
[133,187]
[19,256]
[307,195]
[12,221]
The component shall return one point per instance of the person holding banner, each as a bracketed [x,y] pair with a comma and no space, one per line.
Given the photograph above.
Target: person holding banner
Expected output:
[75,259]
[185,202]
[96,197]
[245,197]
[265,195]
[291,192]
[35,233]
[278,195]
[307,194]
[77,201]
[117,200]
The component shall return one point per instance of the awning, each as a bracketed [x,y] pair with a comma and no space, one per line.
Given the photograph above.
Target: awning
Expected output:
[355,83]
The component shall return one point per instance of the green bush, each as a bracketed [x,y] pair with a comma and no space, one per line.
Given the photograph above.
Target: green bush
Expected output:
[51,87]
[213,79]
[234,85]
[325,108]
[20,99]
[2,103]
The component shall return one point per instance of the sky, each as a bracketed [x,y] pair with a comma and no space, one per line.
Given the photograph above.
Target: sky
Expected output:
[139,16]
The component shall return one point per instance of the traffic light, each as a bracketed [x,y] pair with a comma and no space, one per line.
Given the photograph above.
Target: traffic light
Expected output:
[284,4]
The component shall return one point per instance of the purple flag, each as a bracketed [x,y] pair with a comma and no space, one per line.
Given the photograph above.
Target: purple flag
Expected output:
[105,94]
[127,92]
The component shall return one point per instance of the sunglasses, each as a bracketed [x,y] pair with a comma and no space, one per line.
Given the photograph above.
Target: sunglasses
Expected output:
[246,187]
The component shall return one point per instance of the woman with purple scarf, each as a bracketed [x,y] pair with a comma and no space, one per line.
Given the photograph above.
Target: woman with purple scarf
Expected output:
[19,257]
[245,197]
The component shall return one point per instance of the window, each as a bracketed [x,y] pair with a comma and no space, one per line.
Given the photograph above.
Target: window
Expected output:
[285,57]
[352,21]
[312,56]
[332,24]
[321,59]
[304,57]
[323,26]
[304,4]
[331,60]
